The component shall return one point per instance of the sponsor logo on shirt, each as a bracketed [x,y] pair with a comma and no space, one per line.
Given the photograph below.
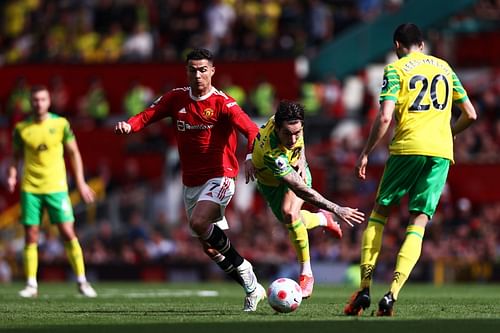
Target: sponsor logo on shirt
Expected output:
[183,126]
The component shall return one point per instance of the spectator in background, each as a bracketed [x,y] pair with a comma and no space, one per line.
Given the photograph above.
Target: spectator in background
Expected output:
[111,45]
[139,45]
[263,98]
[220,18]
[319,22]
[94,103]
[18,102]
[137,98]
[310,95]
[59,92]
[232,89]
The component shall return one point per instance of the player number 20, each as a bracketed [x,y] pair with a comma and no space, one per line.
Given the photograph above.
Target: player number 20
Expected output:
[417,103]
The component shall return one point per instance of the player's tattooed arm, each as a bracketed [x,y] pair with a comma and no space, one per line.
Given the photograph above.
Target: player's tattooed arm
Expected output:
[296,183]
[346,214]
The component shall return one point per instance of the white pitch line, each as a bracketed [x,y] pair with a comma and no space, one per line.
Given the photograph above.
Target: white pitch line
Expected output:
[158,293]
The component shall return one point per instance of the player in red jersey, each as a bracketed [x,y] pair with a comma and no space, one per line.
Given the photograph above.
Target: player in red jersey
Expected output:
[207,121]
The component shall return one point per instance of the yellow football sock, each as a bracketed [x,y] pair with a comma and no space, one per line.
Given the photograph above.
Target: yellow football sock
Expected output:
[75,257]
[310,220]
[407,257]
[30,259]
[370,247]
[298,235]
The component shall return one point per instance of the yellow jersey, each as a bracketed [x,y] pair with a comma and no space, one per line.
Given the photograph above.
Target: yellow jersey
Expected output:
[42,145]
[271,159]
[424,88]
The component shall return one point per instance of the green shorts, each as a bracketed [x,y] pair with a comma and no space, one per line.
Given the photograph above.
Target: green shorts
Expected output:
[422,177]
[58,207]
[274,194]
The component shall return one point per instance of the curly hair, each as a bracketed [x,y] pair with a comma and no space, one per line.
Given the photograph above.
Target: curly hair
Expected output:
[288,111]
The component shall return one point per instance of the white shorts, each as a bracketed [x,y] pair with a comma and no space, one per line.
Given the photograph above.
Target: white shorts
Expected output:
[219,190]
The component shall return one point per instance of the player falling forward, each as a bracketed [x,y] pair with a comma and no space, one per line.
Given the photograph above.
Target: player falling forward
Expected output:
[284,179]
[207,121]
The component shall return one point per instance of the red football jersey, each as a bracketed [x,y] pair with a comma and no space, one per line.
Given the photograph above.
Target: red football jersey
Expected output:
[205,131]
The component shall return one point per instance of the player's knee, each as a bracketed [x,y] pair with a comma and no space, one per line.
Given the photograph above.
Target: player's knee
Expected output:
[198,225]
[289,216]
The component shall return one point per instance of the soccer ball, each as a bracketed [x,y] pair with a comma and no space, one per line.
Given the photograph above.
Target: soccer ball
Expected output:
[284,295]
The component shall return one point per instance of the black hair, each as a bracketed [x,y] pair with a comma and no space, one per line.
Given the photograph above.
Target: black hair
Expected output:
[38,87]
[288,111]
[408,34]
[200,54]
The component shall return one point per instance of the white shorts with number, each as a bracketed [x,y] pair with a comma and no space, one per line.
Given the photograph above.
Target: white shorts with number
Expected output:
[219,190]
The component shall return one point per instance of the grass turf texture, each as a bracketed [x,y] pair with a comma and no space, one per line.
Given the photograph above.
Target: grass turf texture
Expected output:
[216,307]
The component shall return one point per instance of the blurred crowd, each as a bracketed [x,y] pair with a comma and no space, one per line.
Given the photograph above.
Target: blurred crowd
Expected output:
[92,31]
[141,220]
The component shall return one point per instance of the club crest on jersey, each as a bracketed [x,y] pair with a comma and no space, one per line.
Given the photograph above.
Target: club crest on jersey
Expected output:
[208,113]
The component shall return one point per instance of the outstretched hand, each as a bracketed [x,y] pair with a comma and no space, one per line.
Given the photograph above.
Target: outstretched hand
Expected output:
[350,215]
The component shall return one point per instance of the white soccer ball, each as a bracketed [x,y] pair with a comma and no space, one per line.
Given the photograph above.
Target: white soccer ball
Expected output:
[284,295]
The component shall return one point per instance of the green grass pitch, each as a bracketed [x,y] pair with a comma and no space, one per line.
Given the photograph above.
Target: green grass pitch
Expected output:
[216,307]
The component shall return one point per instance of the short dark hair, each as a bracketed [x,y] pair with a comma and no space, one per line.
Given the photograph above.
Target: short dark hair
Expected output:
[38,87]
[288,111]
[408,34]
[200,54]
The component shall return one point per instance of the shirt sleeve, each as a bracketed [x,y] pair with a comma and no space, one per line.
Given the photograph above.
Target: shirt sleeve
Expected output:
[459,93]
[278,163]
[242,122]
[390,85]
[68,134]
[157,110]
[17,141]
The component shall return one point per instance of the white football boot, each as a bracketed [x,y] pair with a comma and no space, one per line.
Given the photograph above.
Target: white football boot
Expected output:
[86,290]
[29,292]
